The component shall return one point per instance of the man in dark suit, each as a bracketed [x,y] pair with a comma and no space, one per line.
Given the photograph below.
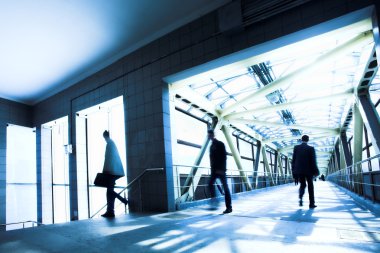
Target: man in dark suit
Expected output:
[218,158]
[304,167]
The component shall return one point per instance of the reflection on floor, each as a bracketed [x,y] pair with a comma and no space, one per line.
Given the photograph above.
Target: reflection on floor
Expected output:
[266,221]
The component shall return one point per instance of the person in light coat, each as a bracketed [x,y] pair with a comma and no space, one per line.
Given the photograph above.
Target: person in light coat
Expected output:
[112,166]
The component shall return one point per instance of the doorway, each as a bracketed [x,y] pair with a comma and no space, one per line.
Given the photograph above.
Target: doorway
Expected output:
[90,124]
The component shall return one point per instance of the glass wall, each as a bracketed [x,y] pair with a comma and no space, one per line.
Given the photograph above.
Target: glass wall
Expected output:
[21,176]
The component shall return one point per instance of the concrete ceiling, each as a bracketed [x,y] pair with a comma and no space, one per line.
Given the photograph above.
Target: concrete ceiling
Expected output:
[47,46]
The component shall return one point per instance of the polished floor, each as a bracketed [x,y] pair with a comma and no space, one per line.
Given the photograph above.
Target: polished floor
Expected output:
[263,221]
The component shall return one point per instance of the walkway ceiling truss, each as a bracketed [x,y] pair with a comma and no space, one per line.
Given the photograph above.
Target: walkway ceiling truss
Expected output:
[279,98]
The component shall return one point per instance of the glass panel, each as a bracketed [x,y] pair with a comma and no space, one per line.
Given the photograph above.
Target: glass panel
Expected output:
[61,204]
[60,158]
[375,164]
[97,198]
[232,168]
[21,189]
[82,179]
[247,166]
[116,122]
[21,204]
[186,156]
[365,167]
[56,174]
[190,129]
[96,124]
[241,83]
[46,176]
[245,149]
[21,155]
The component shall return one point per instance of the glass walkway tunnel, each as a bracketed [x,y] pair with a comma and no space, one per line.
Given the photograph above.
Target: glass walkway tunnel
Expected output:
[324,86]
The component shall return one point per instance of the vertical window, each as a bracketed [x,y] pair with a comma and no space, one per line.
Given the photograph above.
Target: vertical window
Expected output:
[55,172]
[60,164]
[21,189]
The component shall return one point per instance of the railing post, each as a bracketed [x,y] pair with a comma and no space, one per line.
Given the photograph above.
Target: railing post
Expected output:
[192,186]
[125,206]
[372,186]
[178,181]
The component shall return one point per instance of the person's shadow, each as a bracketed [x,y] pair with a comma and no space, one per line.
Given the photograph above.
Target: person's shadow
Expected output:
[300,223]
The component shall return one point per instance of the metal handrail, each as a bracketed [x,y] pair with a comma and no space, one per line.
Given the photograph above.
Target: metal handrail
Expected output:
[353,180]
[368,159]
[357,163]
[208,168]
[130,184]
[22,222]
[278,177]
[190,166]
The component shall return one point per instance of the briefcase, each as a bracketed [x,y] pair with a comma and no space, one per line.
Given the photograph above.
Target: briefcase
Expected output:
[104,180]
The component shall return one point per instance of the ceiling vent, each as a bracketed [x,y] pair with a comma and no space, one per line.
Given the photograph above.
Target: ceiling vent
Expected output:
[236,15]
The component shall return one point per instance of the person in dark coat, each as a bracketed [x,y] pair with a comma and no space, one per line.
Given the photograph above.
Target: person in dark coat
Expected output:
[112,166]
[218,159]
[304,167]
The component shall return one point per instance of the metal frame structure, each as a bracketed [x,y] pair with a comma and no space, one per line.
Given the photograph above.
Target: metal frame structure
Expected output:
[247,112]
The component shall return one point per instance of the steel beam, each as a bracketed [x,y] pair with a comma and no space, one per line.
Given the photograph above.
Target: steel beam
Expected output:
[331,55]
[371,119]
[358,146]
[345,149]
[358,135]
[194,176]
[294,126]
[198,100]
[267,168]
[257,164]
[320,153]
[343,163]
[337,156]
[247,130]
[294,104]
[291,147]
[275,169]
[289,168]
[279,164]
[314,137]
[236,156]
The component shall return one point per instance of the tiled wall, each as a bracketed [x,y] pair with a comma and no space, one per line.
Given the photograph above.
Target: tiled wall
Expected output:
[138,77]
